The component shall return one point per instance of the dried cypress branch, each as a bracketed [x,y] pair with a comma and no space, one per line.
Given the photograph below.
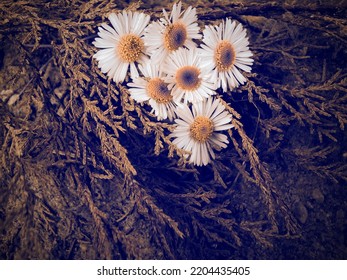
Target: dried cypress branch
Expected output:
[316,159]
[87,172]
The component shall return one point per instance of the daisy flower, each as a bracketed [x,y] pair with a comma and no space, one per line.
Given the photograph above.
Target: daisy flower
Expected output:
[122,44]
[153,89]
[226,46]
[197,131]
[188,77]
[169,34]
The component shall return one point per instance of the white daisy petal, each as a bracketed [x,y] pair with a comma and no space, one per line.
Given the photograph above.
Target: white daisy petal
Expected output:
[189,79]
[223,127]
[121,45]
[196,130]
[226,48]
[153,89]
[174,32]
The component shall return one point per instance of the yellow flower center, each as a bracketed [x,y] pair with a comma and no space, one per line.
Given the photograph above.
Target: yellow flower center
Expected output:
[187,78]
[175,36]
[158,90]
[130,47]
[224,56]
[201,129]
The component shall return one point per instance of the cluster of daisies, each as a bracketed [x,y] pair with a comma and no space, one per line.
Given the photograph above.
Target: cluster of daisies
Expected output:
[174,75]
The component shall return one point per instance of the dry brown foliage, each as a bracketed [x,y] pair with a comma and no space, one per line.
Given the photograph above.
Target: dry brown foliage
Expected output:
[88,173]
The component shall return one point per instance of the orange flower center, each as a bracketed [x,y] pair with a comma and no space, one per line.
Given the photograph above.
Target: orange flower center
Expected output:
[157,89]
[130,47]
[175,36]
[224,56]
[201,129]
[187,78]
